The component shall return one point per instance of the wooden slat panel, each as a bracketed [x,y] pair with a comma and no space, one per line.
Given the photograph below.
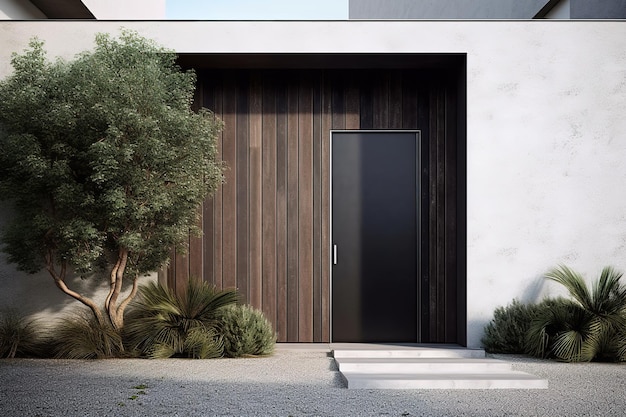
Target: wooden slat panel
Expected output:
[208,214]
[243,144]
[450,254]
[317,208]
[338,102]
[181,271]
[367,105]
[218,223]
[325,202]
[380,102]
[256,183]
[395,100]
[269,203]
[208,246]
[305,212]
[170,271]
[352,105]
[417,98]
[410,109]
[292,215]
[297,173]
[196,251]
[433,223]
[441,225]
[281,209]
[229,195]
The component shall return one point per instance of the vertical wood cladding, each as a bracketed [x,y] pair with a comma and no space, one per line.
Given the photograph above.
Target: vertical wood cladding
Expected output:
[266,230]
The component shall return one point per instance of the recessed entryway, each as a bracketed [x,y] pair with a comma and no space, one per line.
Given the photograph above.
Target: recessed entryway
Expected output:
[267,229]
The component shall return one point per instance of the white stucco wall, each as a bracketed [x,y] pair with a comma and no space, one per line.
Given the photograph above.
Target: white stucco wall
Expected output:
[546,132]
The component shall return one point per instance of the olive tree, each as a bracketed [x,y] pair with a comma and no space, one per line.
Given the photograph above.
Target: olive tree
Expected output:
[104,162]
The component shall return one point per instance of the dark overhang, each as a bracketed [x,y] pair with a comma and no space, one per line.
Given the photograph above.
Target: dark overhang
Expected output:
[63,9]
[319,61]
[542,13]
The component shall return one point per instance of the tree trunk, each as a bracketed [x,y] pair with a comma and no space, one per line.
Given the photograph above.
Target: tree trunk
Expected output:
[114,312]
[116,315]
[59,281]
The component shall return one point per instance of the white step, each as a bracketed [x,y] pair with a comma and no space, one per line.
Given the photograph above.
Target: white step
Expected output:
[421,365]
[508,380]
[414,352]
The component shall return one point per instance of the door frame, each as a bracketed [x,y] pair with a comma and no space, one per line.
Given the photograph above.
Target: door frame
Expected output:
[418,158]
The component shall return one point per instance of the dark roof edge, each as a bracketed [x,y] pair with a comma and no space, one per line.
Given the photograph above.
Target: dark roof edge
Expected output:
[541,14]
[64,9]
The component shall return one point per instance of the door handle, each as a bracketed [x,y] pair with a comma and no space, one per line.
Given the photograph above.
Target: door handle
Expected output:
[334,254]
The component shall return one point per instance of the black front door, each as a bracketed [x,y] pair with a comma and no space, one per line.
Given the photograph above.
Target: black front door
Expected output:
[375,236]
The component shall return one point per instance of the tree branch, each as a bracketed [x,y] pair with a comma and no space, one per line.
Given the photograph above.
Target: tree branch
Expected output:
[129,298]
[112,280]
[59,281]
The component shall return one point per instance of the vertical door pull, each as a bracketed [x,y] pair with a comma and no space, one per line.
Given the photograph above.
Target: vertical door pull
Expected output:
[334,254]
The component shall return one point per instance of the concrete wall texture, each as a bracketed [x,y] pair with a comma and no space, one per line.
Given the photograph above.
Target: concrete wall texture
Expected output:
[546,133]
[444,9]
[18,10]
[484,9]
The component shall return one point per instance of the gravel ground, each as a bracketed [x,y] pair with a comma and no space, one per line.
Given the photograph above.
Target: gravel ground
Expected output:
[289,383]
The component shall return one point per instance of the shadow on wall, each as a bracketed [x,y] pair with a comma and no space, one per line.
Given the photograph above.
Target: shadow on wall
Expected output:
[537,289]
[37,296]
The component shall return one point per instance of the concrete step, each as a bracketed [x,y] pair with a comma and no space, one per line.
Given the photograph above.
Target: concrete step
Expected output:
[501,380]
[424,367]
[412,352]
[421,365]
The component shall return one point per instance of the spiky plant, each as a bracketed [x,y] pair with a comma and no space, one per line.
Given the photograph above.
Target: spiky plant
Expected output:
[81,336]
[18,336]
[162,324]
[246,331]
[589,326]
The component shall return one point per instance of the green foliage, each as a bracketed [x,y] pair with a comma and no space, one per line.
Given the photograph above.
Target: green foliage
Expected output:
[82,337]
[161,324]
[246,331]
[506,332]
[18,337]
[589,326]
[102,155]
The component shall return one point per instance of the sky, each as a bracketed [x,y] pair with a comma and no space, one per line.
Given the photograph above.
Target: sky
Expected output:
[257,9]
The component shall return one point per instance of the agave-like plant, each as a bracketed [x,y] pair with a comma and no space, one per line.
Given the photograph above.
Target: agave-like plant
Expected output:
[162,324]
[589,326]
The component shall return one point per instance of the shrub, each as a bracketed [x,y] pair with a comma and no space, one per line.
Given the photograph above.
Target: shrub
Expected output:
[506,332]
[83,337]
[161,324]
[246,331]
[589,326]
[18,337]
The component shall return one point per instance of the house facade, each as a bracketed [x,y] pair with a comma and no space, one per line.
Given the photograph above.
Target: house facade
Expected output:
[390,181]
